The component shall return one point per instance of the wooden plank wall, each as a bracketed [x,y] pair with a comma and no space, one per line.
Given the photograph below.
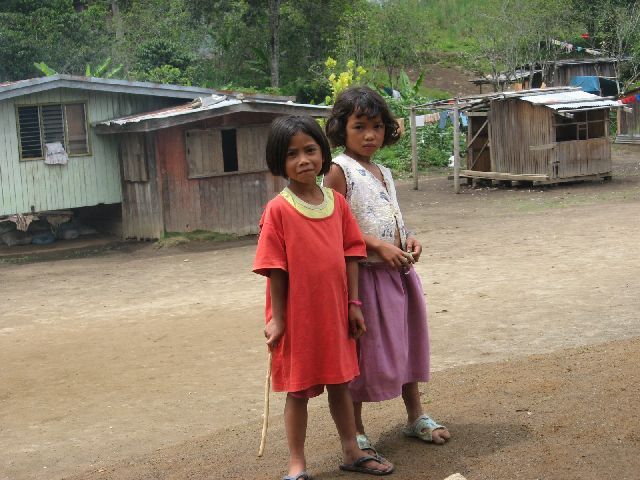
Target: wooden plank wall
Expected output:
[86,180]
[476,156]
[515,127]
[228,203]
[629,127]
[142,217]
[564,73]
[133,157]
[583,157]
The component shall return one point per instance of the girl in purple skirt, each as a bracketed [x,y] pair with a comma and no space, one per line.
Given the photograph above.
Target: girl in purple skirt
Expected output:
[394,353]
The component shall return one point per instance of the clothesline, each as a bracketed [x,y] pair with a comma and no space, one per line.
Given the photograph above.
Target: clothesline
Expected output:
[441,118]
[568,47]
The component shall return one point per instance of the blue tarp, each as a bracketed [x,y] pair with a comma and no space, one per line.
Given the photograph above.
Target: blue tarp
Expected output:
[604,87]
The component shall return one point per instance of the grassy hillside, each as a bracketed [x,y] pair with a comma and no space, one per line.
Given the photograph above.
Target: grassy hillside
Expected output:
[450,28]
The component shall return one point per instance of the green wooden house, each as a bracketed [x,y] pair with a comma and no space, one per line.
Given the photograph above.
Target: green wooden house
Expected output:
[50,156]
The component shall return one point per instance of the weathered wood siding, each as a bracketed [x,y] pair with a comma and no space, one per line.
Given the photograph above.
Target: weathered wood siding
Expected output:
[516,126]
[142,216]
[86,180]
[564,73]
[226,203]
[583,157]
[478,152]
[629,125]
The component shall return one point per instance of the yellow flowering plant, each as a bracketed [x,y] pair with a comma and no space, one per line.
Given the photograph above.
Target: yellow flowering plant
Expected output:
[340,81]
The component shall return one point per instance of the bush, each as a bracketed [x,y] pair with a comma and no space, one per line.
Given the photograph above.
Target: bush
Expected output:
[435,145]
[313,92]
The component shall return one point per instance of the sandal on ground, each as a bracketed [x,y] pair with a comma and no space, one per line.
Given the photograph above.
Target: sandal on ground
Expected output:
[423,428]
[301,476]
[365,444]
[358,466]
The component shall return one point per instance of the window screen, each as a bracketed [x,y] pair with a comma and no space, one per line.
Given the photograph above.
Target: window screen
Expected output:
[40,124]
[29,123]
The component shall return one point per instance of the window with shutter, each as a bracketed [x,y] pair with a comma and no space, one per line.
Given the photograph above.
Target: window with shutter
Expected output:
[40,124]
[211,152]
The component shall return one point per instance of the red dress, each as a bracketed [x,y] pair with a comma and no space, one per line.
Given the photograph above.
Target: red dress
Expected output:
[316,348]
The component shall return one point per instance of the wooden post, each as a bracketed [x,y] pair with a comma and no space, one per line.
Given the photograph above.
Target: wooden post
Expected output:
[414,148]
[456,147]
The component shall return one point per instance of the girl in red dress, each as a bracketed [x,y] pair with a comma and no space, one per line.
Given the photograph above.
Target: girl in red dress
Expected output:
[308,249]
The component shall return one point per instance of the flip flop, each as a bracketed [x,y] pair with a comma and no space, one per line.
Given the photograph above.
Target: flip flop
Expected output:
[365,444]
[423,422]
[359,468]
[301,476]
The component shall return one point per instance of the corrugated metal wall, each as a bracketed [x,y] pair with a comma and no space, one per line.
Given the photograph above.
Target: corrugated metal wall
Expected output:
[86,180]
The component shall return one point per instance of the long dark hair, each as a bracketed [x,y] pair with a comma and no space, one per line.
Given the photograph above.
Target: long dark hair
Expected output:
[362,101]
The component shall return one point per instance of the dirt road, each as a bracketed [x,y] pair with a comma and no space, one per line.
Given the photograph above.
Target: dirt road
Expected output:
[146,363]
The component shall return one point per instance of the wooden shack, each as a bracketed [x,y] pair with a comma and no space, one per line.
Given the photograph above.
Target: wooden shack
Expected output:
[556,73]
[542,136]
[629,119]
[199,166]
[58,110]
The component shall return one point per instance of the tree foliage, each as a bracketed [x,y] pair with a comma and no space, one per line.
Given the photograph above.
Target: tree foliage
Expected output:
[262,44]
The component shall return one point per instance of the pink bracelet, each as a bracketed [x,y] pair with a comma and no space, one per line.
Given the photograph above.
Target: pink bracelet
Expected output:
[355,302]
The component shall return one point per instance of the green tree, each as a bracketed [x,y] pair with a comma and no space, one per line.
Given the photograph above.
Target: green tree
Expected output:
[50,31]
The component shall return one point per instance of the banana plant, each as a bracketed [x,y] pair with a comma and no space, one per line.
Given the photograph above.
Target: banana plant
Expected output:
[45,69]
[101,70]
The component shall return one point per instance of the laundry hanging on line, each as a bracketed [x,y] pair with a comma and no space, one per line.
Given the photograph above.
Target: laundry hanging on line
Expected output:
[442,118]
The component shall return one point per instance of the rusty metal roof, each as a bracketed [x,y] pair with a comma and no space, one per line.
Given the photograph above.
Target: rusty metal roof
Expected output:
[206,107]
[570,100]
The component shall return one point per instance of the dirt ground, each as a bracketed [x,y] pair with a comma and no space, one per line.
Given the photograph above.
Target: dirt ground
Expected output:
[139,363]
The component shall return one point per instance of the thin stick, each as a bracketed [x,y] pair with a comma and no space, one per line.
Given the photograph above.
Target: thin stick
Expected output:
[265,416]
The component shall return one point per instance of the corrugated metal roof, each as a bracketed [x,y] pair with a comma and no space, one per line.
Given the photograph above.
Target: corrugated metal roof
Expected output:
[570,100]
[34,85]
[184,109]
[213,102]
[202,108]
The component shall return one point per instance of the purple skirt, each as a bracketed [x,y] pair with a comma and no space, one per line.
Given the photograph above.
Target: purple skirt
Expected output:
[395,348]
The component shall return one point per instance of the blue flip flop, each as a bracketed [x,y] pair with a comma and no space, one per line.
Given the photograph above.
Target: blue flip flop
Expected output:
[358,466]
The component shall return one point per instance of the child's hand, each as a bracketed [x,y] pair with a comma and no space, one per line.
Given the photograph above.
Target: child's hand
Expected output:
[356,321]
[273,331]
[414,247]
[394,256]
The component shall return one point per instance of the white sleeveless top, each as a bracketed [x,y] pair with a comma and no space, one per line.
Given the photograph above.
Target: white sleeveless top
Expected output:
[373,203]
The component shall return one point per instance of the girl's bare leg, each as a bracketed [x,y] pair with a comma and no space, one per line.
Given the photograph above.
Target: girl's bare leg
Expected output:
[341,408]
[357,412]
[411,397]
[295,421]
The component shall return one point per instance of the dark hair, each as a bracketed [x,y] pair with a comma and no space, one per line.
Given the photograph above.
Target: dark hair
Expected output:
[282,130]
[362,101]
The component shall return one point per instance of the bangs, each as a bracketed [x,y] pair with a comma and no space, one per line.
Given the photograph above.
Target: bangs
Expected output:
[367,106]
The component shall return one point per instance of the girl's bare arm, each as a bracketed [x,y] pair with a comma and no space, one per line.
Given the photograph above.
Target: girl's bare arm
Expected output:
[356,320]
[278,291]
[335,179]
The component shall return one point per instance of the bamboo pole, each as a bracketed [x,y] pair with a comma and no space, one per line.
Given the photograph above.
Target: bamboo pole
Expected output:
[265,415]
[456,146]
[414,148]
